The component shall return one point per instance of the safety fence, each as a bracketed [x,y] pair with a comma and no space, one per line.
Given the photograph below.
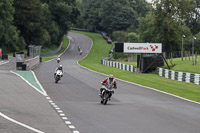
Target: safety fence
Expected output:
[118,65]
[180,76]
[52,52]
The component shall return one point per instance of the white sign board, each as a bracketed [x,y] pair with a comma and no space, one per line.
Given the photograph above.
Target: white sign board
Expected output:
[142,48]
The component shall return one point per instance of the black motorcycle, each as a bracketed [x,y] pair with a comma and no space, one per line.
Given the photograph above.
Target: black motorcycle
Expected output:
[106,93]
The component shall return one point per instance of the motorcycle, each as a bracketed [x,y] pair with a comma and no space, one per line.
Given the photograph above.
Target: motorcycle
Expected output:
[58,75]
[106,93]
[81,52]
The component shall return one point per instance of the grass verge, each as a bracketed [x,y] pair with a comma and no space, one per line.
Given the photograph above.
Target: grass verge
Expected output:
[100,49]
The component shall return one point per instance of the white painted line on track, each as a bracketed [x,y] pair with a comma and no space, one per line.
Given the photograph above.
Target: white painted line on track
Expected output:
[43,93]
[59,54]
[143,86]
[64,118]
[68,122]
[135,83]
[50,101]
[76,132]
[2,62]
[61,114]
[71,126]
[48,98]
[21,124]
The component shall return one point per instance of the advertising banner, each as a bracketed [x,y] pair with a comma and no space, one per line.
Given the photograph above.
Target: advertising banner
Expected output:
[0,52]
[142,48]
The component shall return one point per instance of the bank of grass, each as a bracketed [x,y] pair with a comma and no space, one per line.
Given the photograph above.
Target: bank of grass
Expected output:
[64,46]
[185,65]
[101,48]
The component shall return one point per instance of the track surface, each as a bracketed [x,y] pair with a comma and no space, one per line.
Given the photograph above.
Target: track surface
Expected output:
[23,104]
[132,109]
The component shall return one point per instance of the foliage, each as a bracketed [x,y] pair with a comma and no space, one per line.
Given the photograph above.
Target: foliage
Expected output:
[132,37]
[111,15]
[92,61]
[119,36]
[9,35]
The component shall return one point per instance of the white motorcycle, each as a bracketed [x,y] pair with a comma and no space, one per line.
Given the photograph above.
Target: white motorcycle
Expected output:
[58,75]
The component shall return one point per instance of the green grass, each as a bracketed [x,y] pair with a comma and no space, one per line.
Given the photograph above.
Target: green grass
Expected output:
[101,49]
[64,46]
[185,65]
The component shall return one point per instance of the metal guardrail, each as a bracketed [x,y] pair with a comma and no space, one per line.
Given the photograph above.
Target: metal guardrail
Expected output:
[52,52]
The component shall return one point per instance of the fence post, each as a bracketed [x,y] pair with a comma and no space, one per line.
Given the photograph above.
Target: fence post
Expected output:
[189,55]
[196,58]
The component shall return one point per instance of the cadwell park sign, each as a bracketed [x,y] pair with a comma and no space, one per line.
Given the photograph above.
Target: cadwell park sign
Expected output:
[142,48]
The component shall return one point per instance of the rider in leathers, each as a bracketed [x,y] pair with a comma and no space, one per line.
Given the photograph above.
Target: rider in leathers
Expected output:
[111,80]
[58,68]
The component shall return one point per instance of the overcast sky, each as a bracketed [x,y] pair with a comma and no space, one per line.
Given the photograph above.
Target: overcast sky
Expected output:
[148,0]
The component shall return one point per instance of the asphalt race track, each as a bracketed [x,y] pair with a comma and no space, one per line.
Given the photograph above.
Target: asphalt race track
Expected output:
[23,109]
[132,109]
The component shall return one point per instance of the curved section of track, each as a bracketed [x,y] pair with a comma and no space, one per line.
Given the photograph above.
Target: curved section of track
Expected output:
[132,109]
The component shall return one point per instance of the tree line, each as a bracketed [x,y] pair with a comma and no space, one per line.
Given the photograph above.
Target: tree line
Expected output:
[34,22]
[44,22]
[163,21]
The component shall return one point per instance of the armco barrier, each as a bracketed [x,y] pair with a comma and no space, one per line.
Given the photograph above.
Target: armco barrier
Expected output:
[31,63]
[118,65]
[180,76]
[52,52]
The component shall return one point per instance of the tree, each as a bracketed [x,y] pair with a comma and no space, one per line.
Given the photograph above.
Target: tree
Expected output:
[168,26]
[119,36]
[64,13]
[116,15]
[29,19]
[9,35]
[132,37]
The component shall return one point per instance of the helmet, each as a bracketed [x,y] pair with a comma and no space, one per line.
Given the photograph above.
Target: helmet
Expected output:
[60,66]
[111,77]
[58,58]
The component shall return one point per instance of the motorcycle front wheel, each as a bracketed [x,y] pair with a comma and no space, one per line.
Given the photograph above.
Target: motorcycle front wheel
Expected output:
[106,96]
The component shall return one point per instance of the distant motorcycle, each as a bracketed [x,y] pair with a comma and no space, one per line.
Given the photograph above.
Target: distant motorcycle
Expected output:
[81,52]
[58,75]
[106,93]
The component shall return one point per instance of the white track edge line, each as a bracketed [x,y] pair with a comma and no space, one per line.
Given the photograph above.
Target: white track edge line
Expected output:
[29,83]
[137,84]
[4,62]
[61,53]
[21,124]
[45,93]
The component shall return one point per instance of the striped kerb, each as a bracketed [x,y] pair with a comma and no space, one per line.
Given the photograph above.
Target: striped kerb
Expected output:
[170,74]
[173,75]
[192,78]
[176,75]
[166,73]
[187,79]
[123,66]
[160,71]
[184,77]
[180,76]
[163,72]
[196,79]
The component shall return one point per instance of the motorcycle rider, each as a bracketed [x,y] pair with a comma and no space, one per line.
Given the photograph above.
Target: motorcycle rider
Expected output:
[58,60]
[111,80]
[59,68]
